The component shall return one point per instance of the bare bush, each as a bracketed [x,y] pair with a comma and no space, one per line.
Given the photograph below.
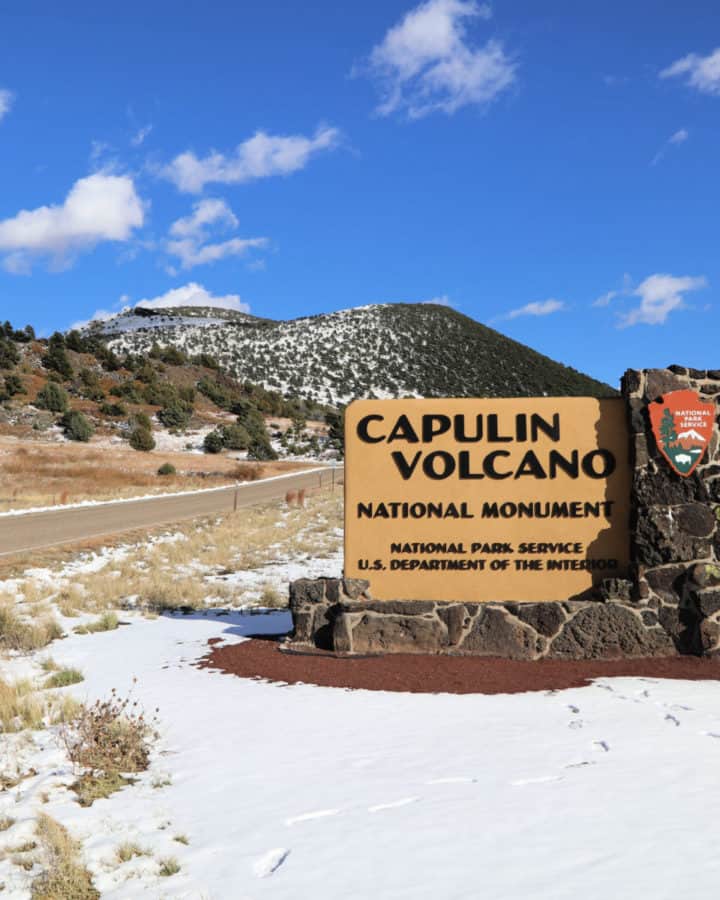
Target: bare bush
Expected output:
[110,736]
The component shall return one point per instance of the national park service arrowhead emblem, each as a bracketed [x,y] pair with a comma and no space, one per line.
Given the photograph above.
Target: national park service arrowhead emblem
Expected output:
[682,424]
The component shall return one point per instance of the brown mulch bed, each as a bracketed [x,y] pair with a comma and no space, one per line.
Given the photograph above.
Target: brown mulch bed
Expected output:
[262,658]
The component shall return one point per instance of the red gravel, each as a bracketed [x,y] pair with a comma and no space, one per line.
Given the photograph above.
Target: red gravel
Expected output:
[262,658]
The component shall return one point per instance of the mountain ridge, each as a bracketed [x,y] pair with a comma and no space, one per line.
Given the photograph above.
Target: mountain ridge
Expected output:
[378,350]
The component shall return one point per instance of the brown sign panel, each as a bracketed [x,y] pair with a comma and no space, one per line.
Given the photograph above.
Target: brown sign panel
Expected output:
[683,425]
[486,499]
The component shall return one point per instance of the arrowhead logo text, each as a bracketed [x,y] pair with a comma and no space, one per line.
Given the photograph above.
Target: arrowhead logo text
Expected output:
[682,424]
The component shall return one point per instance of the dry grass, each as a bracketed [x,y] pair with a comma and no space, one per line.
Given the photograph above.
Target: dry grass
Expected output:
[64,876]
[36,473]
[129,850]
[64,678]
[17,634]
[22,707]
[105,741]
[108,621]
[185,573]
[168,866]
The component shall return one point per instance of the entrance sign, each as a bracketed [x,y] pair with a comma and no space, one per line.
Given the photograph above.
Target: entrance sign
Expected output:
[682,424]
[486,499]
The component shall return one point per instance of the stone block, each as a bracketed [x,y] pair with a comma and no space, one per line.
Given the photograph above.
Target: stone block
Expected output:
[494,633]
[545,618]
[374,633]
[355,587]
[608,631]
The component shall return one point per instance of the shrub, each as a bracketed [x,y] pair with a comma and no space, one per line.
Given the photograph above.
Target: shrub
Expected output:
[9,355]
[110,736]
[14,385]
[142,439]
[261,449]
[176,414]
[236,437]
[213,442]
[76,427]
[141,420]
[167,469]
[52,397]
[128,391]
[114,410]
[56,358]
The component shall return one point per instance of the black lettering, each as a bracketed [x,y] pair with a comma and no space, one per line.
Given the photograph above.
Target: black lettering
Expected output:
[448,461]
[464,472]
[538,424]
[364,434]
[459,428]
[432,426]
[569,466]
[403,431]
[489,465]
[530,465]
[607,461]
[493,435]
[405,468]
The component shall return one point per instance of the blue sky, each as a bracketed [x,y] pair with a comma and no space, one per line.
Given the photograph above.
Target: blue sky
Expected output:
[549,169]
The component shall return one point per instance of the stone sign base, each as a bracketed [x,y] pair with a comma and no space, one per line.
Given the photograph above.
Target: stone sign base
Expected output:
[339,615]
[670,605]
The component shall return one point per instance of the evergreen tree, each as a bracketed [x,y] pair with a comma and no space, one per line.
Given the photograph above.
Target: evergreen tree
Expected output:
[667,429]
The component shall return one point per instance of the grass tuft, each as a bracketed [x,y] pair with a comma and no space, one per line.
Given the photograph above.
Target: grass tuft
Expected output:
[168,866]
[108,621]
[64,876]
[64,678]
[129,850]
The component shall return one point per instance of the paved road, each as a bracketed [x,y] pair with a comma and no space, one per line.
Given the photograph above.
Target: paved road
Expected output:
[34,531]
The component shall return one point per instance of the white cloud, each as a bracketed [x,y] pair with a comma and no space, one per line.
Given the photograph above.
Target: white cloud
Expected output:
[205,212]
[679,137]
[97,208]
[703,72]
[191,254]
[193,294]
[261,156]
[659,296]
[6,101]
[139,137]
[189,235]
[426,64]
[624,291]
[538,308]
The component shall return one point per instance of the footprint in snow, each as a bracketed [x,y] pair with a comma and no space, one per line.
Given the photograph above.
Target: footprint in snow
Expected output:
[580,765]
[670,718]
[395,804]
[602,745]
[270,862]
[712,734]
[576,723]
[460,779]
[307,817]
[573,709]
[543,779]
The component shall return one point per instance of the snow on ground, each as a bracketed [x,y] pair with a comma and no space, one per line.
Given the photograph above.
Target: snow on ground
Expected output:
[304,792]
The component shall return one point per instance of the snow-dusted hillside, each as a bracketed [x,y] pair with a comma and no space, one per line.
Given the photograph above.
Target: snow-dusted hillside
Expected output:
[382,350]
